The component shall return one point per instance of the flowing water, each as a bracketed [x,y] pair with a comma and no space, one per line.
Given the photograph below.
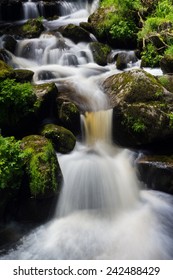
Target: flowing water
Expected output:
[103,211]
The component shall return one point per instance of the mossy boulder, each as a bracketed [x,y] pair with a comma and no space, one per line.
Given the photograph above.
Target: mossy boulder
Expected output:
[23,75]
[62,139]
[31,29]
[46,98]
[100,52]
[166,81]
[68,115]
[42,168]
[143,108]
[5,71]
[75,33]
[166,64]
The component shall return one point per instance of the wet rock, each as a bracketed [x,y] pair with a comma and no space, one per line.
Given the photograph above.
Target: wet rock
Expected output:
[62,139]
[156,171]
[75,33]
[5,70]
[123,58]
[46,102]
[23,76]
[100,52]
[143,108]
[42,168]
[68,115]
[166,64]
[9,43]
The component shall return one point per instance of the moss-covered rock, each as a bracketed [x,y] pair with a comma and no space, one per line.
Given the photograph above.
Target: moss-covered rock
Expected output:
[5,71]
[23,75]
[143,108]
[167,82]
[166,64]
[62,139]
[75,33]
[46,99]
[31,29]
[42,168]
[68,115]
[100,52]
[133,86]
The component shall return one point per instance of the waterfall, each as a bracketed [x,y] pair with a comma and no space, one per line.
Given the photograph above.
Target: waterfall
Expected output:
[30,10]
[104,211]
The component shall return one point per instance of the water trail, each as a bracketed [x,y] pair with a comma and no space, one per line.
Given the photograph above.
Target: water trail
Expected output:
[30,10]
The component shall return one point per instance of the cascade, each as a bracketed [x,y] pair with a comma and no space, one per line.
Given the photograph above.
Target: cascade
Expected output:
[103,211]
[30,10]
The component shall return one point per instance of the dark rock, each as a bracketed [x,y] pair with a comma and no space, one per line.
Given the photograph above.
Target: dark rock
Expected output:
[100,52]
[75,33]
[166,64]
[156,171]
[123,58]
[62,139]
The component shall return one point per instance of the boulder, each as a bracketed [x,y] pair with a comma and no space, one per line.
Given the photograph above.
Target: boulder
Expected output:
[76,33]
[46,102]
[62,139]
[42,168]
[68,115]
[156,171]
[142,108]
[5,70]
[166,64]
[123,58]
[100,52]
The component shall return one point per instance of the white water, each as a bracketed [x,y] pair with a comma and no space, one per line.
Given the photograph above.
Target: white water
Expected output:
[103,211]
[30,10]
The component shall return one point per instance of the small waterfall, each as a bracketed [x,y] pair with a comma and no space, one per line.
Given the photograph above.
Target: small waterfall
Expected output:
[30,10]
[95,175]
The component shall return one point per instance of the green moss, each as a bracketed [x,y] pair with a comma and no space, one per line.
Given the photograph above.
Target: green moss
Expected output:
[62,138]
[32,28]
[5,71]
[42,165]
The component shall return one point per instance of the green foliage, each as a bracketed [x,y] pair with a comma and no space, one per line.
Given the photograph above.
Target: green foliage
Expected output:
[123,6]
[150,56]
[11,163]
[135,124]
[169,51]
[164,8]
[16,101]
[123,30]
